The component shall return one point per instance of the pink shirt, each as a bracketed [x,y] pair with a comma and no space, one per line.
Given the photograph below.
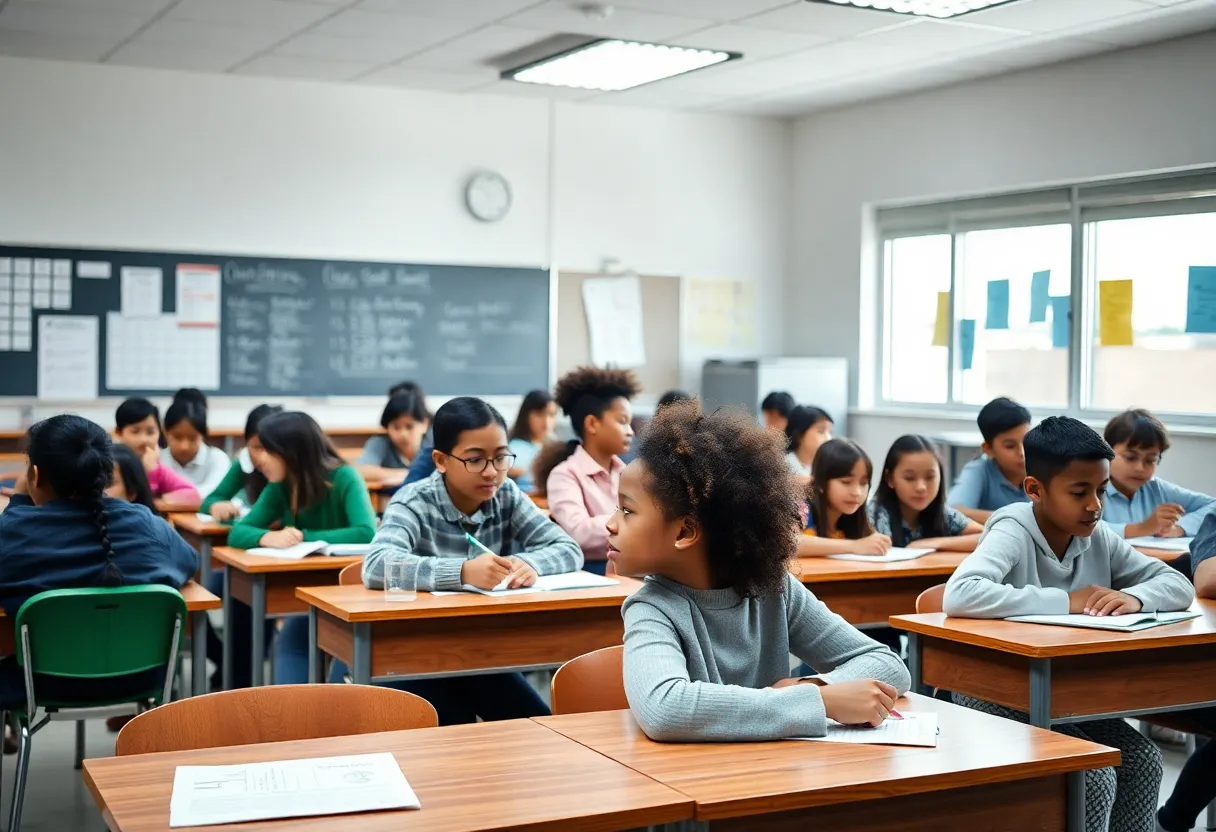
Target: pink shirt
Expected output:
[171,485]
[582,496]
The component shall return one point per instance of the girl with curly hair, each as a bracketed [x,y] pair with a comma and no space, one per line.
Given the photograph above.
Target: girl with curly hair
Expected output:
[581,476]
[709,515]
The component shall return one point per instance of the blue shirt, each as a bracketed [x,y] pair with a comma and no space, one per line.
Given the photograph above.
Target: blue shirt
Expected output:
[525,454]
[423,464]
[1204,544]
[981,485]
[1119,511]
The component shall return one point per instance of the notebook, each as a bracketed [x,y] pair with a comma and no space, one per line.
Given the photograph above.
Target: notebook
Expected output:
[1130,623]
[894,555]
[1167,544]
[545,583]
[916,728]
[313,547]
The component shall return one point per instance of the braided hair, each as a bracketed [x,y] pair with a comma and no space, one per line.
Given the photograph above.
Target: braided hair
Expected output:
[75,461]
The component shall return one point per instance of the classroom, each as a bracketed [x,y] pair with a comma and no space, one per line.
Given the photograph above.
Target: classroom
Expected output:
[427,283]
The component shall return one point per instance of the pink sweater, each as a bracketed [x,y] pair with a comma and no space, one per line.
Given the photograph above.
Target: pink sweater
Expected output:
[582,496]
[172,486]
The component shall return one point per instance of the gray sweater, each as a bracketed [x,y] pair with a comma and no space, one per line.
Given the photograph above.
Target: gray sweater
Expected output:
[1014,572]
[698,663]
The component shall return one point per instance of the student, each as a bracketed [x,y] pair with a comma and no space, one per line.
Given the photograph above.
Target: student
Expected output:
[312,495]
[910,492]
[243,484]
[1138,504]
[581,476]
[671,397]
[386,458]
[138,427]
[130,480]
[994,480]
[188,453]
[426,525]
[61,531]
[806,429]
[533,427]
[836,518]
[192,395]
[710,520]
[1054,556]
[776,409]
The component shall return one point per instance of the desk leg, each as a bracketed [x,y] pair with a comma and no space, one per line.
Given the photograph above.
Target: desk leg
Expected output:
[204,560]
[914,654]
[227,640]
[198,653]
[1076,801]
[315,660]
[259,629]
[1040,693]
[361,673]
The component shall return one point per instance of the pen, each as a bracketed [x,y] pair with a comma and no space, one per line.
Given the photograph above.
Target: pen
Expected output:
[894,714]
[505,582]
[478,544]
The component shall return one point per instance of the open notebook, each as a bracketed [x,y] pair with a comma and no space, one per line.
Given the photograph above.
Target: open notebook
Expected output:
[1130,623]
[313,547]
[545,583]
[894,555]
[1165,544]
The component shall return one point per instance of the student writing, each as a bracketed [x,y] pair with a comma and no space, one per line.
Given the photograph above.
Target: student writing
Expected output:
[581,477]
[1139,503]
[909,506]
[243,483]
[994,480]
[533,427]
[138,427]
[1054,555]
[709,517]
[187,452]
[806,430]
[61,531]
[386,459]
[837,523]
[426,524]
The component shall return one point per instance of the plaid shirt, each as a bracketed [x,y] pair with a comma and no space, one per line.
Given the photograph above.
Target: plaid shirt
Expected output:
[423,525]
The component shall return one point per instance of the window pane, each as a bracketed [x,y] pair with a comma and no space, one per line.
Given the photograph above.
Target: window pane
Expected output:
[1014,356]
[918,268]
[1164,368]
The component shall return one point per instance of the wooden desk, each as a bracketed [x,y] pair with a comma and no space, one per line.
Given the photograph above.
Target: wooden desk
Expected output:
[452,635]
[468,778]
[12,442]
[1052,672]
[870,593]
[381,495]
[268,586]
[203,536]
[986,773]
[198,602]
[166,507]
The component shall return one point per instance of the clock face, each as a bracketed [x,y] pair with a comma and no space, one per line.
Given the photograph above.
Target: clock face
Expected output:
[488,196]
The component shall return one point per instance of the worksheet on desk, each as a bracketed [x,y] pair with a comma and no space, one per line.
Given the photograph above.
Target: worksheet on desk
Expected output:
[1165,544]
[212,795]
[894,555]
[915,728]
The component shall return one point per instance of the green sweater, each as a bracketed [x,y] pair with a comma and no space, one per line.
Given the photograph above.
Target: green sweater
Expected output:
[230,487]
[345,516]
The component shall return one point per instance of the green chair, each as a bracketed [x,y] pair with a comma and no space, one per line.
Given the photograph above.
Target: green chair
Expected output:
[92,634]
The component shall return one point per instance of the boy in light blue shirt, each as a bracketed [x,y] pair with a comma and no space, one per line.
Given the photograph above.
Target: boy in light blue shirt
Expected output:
[1138,504]
[995,479]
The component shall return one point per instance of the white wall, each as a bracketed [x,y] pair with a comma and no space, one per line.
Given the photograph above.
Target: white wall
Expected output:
[1137,110]
[131,158]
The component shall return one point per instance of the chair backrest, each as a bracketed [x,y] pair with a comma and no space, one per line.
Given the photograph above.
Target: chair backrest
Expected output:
[100,632]
[592,682]
[276,713]
[931,599]
[351,575]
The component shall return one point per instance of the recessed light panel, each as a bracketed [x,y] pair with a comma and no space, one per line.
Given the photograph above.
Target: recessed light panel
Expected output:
[940,9]
[612,65]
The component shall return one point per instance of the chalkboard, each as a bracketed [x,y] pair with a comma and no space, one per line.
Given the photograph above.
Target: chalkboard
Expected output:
[291,327]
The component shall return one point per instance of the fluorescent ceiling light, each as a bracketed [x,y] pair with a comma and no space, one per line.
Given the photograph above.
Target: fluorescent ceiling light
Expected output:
[939,9]
[612,65]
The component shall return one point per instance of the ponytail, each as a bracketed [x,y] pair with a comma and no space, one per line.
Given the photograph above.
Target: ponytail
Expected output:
[549,457]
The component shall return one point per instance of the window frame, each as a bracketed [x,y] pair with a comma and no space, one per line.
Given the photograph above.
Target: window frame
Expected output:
[1079,205]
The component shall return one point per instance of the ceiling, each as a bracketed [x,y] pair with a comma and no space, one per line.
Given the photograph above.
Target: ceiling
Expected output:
[798,56]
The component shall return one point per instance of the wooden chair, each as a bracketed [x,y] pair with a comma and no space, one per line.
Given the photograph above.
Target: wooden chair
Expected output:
[275,713]
[931,599]
[351,575]
[591,682]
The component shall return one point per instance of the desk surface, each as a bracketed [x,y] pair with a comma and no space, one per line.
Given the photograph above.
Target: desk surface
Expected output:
[253,564]
[357,604]
[1044,641]
[734,779]
[198,599]
[166,507]
[487,776]
[190,522]
[821,570]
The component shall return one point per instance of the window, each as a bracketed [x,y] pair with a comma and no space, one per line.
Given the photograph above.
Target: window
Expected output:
[1085,299]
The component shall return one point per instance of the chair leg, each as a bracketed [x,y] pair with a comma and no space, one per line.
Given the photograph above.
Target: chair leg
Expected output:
[23,767]
[79,764]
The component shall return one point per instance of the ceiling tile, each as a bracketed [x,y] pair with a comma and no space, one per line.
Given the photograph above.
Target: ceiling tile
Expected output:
[474,11]
[515,89]
[39,18]
[718,10]
[271,14]
[138,8]
[162,56]
[822,19]
[53,47]
[933,36]
[655,95]
[1177,21]
[324,48]
[428,79]
[1053,15]
[1044,51]
[561,16]
[290,66]
[751,41]
[194,34]
[409,32]
[476,48]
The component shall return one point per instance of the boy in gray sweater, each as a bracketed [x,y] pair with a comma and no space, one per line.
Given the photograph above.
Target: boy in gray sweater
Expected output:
[1053,556]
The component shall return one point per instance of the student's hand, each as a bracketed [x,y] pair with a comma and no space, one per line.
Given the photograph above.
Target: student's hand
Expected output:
[1102,600]
[282,538]
[875,544]
[1162,518]
[865,702]
[521,574]
[223,512]
[149,457]
[486,571]
[1173,531]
